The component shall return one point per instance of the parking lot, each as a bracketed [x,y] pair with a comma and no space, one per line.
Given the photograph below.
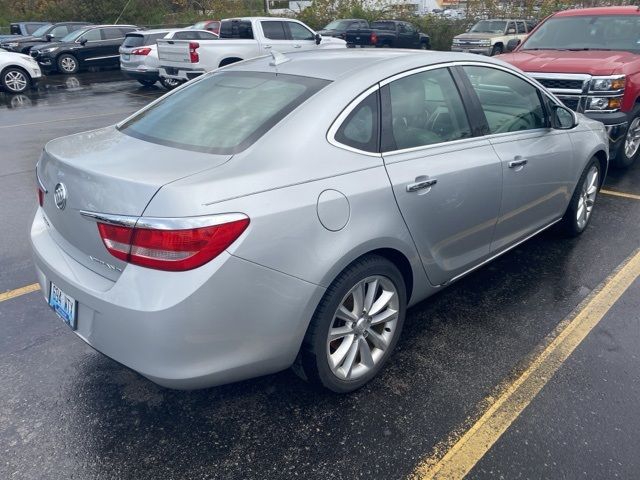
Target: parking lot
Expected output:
[67,411]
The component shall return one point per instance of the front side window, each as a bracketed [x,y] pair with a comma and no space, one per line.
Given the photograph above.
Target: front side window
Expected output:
[489,26]
[273,30]
[298,32]
[425,108]
[510,104]
[360,129]
[59,31]
[92,35]
[521,28]
[224,112]
[113,33]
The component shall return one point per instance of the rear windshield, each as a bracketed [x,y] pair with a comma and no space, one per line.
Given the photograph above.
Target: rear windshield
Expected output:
[383,25]
[133,40]
[222,113]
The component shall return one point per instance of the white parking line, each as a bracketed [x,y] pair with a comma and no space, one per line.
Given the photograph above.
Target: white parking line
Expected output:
[125,113]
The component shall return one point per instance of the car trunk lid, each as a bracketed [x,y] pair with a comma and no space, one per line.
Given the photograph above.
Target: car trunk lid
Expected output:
[105,171]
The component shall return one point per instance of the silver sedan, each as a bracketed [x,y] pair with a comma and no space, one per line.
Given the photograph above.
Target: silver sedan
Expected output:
[286,211]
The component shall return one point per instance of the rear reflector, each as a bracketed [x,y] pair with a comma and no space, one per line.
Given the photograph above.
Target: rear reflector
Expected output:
[173,250]
[141,51]
[374,38]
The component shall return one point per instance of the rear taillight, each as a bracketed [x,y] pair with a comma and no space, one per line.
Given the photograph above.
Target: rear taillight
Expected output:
[173,250]
[193,52]
[374,38]
[141,51]
[40,196]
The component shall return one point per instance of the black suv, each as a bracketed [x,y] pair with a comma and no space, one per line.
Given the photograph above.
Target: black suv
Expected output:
[95,46]
[51,32]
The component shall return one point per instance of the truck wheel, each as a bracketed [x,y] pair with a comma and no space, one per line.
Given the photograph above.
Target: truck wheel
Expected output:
[67,63]
[424,46]
[496,50]
[355,327]
[146,83]
[170,83]
[629,149]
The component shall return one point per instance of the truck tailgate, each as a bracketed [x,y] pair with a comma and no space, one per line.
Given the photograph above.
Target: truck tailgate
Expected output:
[173,51]
[358,37]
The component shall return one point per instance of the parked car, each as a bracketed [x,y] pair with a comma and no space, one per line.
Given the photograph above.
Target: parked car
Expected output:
[94,46]
[211,25]
[18,72]
[388,34]
[338,28]
[225,230]
[591,59]
[490,37]
[47,33]
[21,29]
[240,39]
[139,53]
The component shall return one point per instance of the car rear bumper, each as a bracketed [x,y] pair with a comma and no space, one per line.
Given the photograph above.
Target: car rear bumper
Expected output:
[228,320]
[140,73]
[180,73]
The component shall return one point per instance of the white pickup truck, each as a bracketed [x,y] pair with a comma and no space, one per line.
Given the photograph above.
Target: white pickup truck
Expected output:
[240,39]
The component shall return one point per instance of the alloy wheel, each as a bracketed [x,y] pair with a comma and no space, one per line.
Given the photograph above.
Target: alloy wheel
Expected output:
[632,140]
[68,64]
[15,81]
[363,327]
[587,197]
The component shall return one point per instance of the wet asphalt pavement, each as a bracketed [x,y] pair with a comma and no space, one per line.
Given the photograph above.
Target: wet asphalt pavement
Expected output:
[69,412]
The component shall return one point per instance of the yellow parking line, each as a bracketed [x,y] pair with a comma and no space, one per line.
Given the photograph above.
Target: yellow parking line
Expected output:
[620,194]
[19,291]
[470,447]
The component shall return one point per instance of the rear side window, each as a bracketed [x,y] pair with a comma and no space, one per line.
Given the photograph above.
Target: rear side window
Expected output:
[383,26]
[113,33]
[31,27]
[223,113]
[273,30]
[186,35]
[207,36]
[238,29]
[521,27]
[360,129]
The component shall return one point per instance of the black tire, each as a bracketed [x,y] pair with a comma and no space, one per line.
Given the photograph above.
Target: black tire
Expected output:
[15,80]
[312,363]
[424,46]
[68,64]
[569,225]
[170,83]
[146,83]
[497,50]
[622,160]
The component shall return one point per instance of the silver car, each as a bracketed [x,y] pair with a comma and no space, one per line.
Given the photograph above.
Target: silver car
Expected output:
[289,209]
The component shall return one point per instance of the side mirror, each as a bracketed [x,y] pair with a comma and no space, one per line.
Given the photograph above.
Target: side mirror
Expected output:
[562,118]
[318,38]
[48,37]
[511,31]
[512,44]
[83,41]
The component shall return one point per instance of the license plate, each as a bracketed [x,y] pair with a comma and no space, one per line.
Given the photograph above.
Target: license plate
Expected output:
[171,70]
[63,305]
[126,57]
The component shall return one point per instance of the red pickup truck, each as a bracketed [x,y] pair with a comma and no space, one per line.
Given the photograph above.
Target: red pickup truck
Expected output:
[590,58]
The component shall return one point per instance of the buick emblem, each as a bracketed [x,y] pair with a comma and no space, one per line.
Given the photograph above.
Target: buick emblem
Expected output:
[60,196]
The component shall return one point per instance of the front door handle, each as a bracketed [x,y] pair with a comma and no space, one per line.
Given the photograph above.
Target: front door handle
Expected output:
[297,46]
[267,46]
[518,162]
[421,185]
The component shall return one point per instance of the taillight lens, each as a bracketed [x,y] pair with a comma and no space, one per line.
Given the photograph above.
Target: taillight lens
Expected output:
[374,39]
[173,250]
[141,51]
[40,197]
[193,52]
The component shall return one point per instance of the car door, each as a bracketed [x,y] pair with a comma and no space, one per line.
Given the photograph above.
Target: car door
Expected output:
[113,38]
[536,159]
[446,177]
[276,36]
[302,37]
[90,51]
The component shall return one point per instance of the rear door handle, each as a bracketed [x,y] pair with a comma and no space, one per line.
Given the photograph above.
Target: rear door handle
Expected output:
[518,162]
[421,185]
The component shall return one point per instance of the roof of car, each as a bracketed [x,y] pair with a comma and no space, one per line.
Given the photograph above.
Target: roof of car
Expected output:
[153,31]
[333,63]
[629,10]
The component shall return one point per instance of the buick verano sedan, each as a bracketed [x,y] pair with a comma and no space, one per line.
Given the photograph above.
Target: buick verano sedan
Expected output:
[286,211]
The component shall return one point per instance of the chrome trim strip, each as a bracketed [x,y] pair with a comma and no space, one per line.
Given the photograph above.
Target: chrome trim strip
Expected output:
[40,184]
[499,253]
[101,58]
[162,223]
[337,123]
